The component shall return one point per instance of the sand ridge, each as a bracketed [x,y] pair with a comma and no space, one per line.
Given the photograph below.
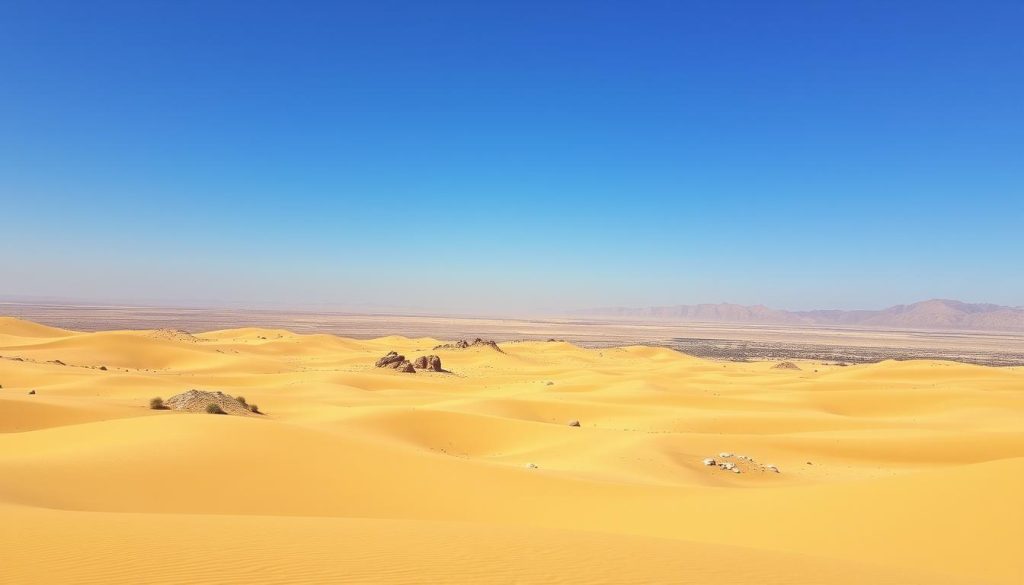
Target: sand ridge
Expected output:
[901,472]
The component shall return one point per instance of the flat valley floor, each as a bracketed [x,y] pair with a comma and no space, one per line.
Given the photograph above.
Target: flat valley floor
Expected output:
[894,472]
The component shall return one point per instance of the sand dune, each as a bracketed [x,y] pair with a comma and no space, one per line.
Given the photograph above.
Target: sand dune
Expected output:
[897,472]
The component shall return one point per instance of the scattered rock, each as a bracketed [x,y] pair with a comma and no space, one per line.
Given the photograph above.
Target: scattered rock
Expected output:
[786,366]
[406,367]
[550,384]
[31,391]
[104,368]
[174,335]
[531,466]
[58,362]
[743,463]
[574,423]
[201,401]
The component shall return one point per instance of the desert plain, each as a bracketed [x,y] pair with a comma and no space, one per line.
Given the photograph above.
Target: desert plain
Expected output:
[891,472]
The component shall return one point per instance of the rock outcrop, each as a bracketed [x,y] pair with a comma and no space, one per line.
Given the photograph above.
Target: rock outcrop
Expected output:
[395,361]
[202,401]
[786,366]
[463,344]
[391,360]
[428,362]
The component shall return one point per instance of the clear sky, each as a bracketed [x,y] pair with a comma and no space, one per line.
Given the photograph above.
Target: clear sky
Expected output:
[508,157]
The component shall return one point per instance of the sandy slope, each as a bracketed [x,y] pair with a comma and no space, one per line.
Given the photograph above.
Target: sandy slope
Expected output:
[899,472]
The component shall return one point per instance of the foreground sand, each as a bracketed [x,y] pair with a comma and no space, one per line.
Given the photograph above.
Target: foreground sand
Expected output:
[898,472]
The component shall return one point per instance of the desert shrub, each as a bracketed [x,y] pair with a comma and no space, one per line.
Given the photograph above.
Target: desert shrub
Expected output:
[157,404]
[254,408]
[241,400]
[214,409]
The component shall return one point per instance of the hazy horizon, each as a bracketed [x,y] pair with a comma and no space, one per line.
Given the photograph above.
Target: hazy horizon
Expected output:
[369,308]
[513,159]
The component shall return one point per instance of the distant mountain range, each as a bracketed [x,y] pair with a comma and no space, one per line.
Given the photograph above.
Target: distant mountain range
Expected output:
[933,314]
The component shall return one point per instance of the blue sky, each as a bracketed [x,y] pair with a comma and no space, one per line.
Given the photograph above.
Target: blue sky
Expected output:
[512,157]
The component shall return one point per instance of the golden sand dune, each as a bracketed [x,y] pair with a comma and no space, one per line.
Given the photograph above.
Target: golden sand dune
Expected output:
[897,472]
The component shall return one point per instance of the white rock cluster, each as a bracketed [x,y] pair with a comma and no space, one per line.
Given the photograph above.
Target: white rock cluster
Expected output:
[733,467]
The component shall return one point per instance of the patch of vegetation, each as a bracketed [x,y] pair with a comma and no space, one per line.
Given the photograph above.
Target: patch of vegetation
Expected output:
[157,404]
[214,409]
[255,409]
[241,400]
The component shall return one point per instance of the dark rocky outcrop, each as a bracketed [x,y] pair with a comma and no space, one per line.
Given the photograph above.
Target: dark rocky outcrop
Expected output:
[396,362]
[391,360]
[463,344]
[786,366]
[428,362]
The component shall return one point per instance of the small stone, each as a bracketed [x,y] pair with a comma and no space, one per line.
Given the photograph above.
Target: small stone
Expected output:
[31,391]
[531,466]
[709,461]
[772,468]
[725,455]
[574,423]
[735,470]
